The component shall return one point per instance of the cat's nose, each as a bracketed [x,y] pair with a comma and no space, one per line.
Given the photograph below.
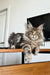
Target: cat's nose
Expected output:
[33,34]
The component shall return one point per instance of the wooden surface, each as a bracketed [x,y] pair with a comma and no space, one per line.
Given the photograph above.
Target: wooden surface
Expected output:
[27,69]
[44,49]
[18,50]
[11,50]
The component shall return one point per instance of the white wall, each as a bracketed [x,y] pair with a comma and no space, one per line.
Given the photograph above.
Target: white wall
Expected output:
[20,10]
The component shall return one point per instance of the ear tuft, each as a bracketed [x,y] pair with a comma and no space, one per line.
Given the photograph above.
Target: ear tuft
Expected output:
[40,27]
[29,26]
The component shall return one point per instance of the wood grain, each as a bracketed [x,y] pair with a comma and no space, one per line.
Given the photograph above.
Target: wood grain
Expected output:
[27,69]
[18,50]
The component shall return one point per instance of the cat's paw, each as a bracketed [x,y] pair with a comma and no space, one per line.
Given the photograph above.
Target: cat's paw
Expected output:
[36,52]
[13,47]
[28,57]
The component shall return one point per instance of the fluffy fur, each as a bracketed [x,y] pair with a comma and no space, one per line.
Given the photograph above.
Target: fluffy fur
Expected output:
[32,39]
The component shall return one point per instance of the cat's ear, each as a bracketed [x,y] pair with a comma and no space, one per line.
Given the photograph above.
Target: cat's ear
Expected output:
[29,26]
[40,28]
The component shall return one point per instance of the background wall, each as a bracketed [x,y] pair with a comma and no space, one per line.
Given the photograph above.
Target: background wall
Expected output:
[20,10]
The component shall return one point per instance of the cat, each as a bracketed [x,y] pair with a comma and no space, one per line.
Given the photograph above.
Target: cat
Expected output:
[31,40]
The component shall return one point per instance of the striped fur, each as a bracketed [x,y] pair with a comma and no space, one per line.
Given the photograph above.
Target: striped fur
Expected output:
[32,39]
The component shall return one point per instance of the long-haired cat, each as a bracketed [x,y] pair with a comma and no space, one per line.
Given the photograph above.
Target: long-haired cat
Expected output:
[31,40]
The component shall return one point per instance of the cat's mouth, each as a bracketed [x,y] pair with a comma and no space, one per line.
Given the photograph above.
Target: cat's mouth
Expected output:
[33,37]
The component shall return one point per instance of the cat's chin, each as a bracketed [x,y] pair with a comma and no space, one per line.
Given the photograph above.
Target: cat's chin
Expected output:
[33,39]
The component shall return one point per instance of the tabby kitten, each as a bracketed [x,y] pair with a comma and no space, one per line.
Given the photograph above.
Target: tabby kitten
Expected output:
[31,40]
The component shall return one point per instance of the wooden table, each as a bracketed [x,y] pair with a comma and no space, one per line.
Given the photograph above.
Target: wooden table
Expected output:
[26,69]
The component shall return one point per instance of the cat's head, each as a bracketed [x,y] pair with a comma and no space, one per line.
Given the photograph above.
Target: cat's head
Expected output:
[34,33]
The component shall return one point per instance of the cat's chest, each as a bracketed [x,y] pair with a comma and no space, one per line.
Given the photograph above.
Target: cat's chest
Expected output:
[28,42]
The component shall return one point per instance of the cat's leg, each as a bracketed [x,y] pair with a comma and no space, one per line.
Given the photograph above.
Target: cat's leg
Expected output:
[37,49]
[27,52]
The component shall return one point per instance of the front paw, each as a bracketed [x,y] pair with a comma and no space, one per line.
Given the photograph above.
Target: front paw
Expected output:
[28,57]
[36,53]
[13,47]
